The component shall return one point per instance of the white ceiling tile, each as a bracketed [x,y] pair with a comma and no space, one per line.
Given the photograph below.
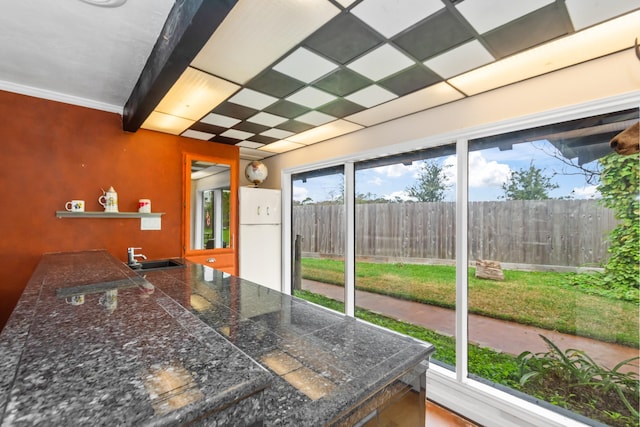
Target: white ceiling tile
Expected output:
[196,134]
[166,123]
[267,119]
[305,65]
[249,144]
[247,153]
[391,17]
[219,120]
[485,15]
[253,99]
[584,13]
[281,146]
[324,132]
[195,94]
[256,33]
[429,97]
[315,118]
[371,95]
[311,97]
[381,62]
[456,61]
[237,134]
[276,133]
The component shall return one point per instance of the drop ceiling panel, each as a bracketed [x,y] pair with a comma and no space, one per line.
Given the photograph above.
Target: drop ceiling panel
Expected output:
[485,15]
[381,62]
[195,94]
[324,132]
[544,24]
[283,23]
[377,60]
[344,38]
[390,18]
[585,13]
[432,96]
[435,35]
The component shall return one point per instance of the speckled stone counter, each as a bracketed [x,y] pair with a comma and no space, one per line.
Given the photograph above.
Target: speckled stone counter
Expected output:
[239,351]
[119,355]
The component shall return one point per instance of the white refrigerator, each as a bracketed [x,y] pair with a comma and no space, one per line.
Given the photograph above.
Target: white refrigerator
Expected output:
[260,236]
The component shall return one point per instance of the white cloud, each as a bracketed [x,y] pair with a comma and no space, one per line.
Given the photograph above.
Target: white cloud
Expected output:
[398,169]
[586,192]
[300,193]
[482,173]
[402,195]
[486,174]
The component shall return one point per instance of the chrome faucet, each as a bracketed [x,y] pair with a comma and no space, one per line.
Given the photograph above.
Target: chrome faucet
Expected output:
[131,257]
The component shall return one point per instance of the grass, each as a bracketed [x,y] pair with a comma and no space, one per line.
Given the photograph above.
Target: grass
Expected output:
[590,399]
[542,299]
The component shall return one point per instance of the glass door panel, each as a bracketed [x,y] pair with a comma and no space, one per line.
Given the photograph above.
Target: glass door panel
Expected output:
[551,217]
[318,233]
[405,245]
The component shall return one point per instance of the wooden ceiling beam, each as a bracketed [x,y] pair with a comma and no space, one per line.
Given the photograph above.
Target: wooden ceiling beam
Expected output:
[189,26]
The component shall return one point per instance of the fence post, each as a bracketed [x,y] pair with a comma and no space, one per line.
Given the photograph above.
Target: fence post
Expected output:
[297,263]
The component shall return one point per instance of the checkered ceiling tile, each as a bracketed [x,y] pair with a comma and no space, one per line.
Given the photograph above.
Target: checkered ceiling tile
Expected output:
[375,51]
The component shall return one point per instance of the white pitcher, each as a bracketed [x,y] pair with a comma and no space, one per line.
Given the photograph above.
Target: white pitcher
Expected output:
[109,200]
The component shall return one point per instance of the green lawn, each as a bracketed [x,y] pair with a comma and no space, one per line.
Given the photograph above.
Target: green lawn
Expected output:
[542,299]
[501,368]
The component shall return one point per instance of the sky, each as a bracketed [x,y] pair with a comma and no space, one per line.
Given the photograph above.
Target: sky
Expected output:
[488,170]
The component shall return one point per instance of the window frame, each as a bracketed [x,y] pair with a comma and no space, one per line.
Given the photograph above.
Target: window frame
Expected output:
[455,390]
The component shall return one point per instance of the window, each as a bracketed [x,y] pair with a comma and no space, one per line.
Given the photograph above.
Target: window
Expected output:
[318,233]
[405,209]
[527,236]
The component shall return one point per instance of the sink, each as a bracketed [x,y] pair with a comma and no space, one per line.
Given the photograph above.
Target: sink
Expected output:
[159,264]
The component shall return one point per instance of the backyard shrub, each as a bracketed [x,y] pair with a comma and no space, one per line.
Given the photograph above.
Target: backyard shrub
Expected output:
[573,380]
[619,187]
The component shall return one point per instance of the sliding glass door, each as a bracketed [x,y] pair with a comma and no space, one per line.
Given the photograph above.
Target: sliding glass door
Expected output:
[405,245]
[318,234]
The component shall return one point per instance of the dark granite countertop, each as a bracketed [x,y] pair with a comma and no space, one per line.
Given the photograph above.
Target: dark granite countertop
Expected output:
[216,333]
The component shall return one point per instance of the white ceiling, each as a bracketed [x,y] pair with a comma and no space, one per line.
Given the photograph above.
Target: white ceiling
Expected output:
[74,51]
[92,55]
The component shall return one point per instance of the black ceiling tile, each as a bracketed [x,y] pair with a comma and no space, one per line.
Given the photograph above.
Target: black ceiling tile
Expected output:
[286,109]
[294,126]
[262,139]
[230,109]
[410,80]
[438,33]
[250,127]
[342,82]
[343,38]
[341,108]
[206,127]
[275,84]
[225,140]
[533,29]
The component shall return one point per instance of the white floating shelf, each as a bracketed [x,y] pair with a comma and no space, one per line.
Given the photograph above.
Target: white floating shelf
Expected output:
[67,214]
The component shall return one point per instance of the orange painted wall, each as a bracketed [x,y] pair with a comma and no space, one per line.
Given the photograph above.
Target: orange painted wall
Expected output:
[52,152]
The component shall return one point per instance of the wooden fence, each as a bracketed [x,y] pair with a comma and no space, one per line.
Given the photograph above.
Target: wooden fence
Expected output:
[539,232]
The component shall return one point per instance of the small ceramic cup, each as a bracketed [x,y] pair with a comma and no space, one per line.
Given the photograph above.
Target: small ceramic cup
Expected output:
[75,206]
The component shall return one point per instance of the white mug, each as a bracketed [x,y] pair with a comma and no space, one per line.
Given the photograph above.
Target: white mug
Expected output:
[144,205]
[75,206]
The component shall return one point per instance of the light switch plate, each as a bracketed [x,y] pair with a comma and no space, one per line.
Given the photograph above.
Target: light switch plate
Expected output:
[151,223]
